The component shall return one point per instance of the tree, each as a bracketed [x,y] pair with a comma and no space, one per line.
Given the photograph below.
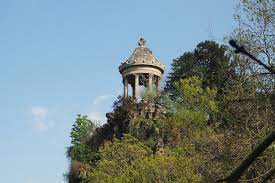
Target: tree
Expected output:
[80,153]
[255,30]
[208,61]
[188,132]
[83,128]
[247,115]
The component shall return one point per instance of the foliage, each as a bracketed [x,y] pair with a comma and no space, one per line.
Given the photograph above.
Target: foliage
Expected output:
[83,128]
[83,153]
[194,104]
[80,153]
[187,130]
[247,117]
[208,61]
[127,160]
[119,159]
[150,95]
[168,168]
[194,97]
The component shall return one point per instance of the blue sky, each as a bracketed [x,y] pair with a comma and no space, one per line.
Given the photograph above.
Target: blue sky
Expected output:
[60,58]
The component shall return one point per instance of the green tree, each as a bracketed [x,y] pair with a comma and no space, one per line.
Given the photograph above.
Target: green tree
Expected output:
[82,130]
[81,155]
[208,61]
[188,131]
[194,104]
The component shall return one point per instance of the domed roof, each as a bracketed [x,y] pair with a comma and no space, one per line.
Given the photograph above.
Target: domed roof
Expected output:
[141,56]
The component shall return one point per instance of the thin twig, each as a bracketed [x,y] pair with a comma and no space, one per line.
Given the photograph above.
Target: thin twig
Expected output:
[268,176]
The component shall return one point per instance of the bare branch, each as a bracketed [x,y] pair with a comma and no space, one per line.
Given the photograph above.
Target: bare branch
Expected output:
[241,49]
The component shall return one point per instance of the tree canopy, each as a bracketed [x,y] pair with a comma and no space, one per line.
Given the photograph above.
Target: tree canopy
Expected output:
[208,61]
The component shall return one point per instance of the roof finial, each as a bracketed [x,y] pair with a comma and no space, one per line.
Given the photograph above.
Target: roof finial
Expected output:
[141,42]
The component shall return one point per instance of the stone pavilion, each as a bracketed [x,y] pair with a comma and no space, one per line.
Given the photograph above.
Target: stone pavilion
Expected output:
[141,69]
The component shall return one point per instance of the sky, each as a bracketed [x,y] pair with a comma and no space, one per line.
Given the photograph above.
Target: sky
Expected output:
[60,58]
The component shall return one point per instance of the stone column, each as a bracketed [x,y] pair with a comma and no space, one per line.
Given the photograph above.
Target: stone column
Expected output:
[150,81]
[125,83]
[158,85]
[133,89]
[136,86]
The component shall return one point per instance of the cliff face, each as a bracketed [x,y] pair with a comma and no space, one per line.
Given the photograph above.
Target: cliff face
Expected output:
[130,117]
